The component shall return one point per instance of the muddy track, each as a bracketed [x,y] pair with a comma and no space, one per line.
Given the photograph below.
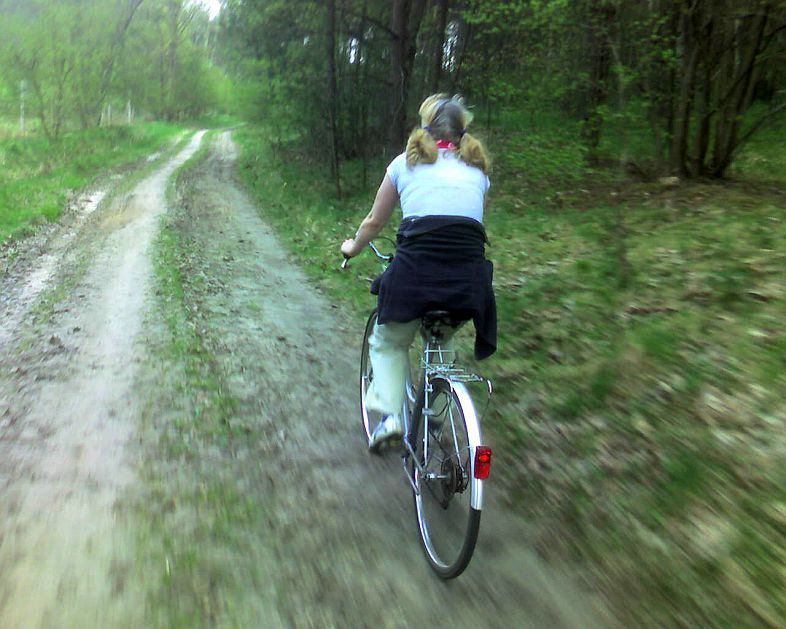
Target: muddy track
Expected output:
[69,349]
[267,512]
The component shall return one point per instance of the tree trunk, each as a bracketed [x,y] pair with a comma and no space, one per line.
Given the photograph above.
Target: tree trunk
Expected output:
[704,96]
[465,33]
[162,82]
[684,98]
[722,49]
[171,56]
[601,18]
[58,106]
[439,47]
[745,60]
[405,21]
[330,51]
[415,21]
[41,106]
[399,82]
[363,82]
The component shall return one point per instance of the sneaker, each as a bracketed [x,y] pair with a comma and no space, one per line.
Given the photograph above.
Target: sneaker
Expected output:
[387,429]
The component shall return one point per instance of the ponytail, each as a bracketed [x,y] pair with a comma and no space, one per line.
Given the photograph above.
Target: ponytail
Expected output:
[471,151]
[421,148]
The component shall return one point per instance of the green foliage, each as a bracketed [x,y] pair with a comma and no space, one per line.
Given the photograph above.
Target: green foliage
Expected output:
[79,59]
[167,68]
[37,175]
[763,158]
[615,69]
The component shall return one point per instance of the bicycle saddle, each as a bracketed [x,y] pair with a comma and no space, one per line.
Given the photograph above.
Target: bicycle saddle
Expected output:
[434,320]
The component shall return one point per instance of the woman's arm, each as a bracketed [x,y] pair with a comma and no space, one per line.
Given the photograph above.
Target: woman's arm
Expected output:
[384,204]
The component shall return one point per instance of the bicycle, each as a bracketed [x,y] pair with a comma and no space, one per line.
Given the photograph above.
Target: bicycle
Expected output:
[443,455]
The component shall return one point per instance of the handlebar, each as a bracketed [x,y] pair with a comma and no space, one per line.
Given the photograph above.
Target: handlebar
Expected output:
[385,257]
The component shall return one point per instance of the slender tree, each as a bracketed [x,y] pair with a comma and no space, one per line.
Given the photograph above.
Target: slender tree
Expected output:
[439,44]
[330,53]
[406,17]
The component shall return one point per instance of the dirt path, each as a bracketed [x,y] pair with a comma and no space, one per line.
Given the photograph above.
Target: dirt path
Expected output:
[262,510]
[66,415]
[327,536]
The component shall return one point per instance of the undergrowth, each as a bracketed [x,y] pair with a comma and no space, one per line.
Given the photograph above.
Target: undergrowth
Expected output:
[641,366]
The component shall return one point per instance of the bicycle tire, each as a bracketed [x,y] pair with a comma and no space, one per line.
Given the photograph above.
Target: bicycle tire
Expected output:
[369,418]
[448,539]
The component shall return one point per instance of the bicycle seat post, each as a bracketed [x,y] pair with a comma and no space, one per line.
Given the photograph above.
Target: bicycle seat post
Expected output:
[433,332]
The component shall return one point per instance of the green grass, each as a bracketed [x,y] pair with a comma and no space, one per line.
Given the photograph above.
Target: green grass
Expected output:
[197,413]
[640,411]
[37,176]
[217,121]
[763,156]
[195,510]
[9,126]
[196,408]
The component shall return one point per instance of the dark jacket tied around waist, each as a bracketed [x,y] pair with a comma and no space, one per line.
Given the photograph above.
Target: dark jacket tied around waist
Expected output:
[440,264]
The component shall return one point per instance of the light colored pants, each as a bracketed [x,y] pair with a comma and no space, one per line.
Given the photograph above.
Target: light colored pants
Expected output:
[389,354]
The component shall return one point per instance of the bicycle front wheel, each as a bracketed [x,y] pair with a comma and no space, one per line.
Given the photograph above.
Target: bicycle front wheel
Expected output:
[448,498]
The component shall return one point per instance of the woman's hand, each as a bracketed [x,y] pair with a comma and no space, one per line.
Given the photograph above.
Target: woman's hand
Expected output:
[349,248]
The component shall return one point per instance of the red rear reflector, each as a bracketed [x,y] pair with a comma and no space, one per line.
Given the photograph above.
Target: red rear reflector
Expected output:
[482,462]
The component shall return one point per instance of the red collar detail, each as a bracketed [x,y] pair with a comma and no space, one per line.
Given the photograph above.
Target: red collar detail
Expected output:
[444,144]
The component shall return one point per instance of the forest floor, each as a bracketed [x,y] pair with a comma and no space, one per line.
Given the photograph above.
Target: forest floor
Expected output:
[180,443]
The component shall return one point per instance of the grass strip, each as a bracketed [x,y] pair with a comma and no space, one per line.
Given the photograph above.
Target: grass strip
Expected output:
[38,175]
[195,551]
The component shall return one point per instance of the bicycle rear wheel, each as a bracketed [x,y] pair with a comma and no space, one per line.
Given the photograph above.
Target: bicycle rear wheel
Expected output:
[370,418]
[448,498]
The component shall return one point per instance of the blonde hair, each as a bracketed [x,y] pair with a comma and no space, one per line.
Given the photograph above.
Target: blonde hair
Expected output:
[445,118]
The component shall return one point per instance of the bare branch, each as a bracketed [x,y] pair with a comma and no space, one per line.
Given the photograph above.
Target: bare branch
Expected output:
[117,40]
[186,22]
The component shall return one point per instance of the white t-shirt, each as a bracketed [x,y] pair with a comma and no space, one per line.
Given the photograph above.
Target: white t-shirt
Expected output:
[448,187]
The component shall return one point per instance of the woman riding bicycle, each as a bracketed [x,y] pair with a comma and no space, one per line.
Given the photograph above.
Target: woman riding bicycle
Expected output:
[441,182]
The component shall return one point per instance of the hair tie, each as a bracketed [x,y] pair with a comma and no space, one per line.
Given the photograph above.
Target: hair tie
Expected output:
[462,133]
[427,128]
